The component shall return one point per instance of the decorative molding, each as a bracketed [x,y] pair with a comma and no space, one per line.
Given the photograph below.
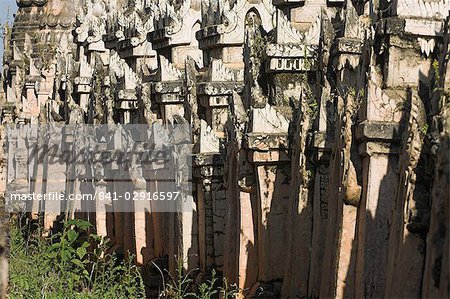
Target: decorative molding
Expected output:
[224,22]
[426,46]
[219,72]
[24,3]
[285,33]
[92,24]
[64,46]
[312,37]
[209,142]
[122,70]
[268,120]
[167,71]
[424,9]
[60,13]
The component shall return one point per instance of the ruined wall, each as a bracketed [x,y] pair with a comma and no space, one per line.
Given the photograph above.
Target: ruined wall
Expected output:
[4,229]
[320,132]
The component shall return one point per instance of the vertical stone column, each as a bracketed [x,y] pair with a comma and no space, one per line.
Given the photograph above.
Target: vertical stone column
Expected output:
[344,194]
[83,88]
[31,107]
[436,272]
[158,221]
[321,214]
[203,174]
[241,221]
[119,231]
[4,227]
[127,105]
[54,173]
[300,211]
[100,188]
[4,220]
[409,220]
[344,185]
[272,182]
[214,97]
[247,249]
[380,179]
[141,208]
[116,178]
[437,264]
[208,172]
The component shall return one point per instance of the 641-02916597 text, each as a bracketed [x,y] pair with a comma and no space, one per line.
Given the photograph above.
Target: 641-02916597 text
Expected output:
[139,196]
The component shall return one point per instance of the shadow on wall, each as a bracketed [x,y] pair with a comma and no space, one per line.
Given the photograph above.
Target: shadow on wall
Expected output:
[391,237]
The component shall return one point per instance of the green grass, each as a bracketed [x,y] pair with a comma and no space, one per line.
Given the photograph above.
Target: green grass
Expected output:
[182,286]
[70,264]
[74,264]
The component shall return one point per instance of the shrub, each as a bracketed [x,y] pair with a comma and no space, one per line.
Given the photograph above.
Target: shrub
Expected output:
[182,286]
[69,264]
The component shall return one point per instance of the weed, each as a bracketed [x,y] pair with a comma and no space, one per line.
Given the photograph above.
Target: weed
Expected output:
[182,286]
[73,264]
[179,287]
[69,264]
[424,129]
[259,45]
[208,289]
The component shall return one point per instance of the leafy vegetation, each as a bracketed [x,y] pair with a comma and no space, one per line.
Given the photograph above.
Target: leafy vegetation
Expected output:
[182,286]
[45,51]
[5,34]
[70,264]
[74,264]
